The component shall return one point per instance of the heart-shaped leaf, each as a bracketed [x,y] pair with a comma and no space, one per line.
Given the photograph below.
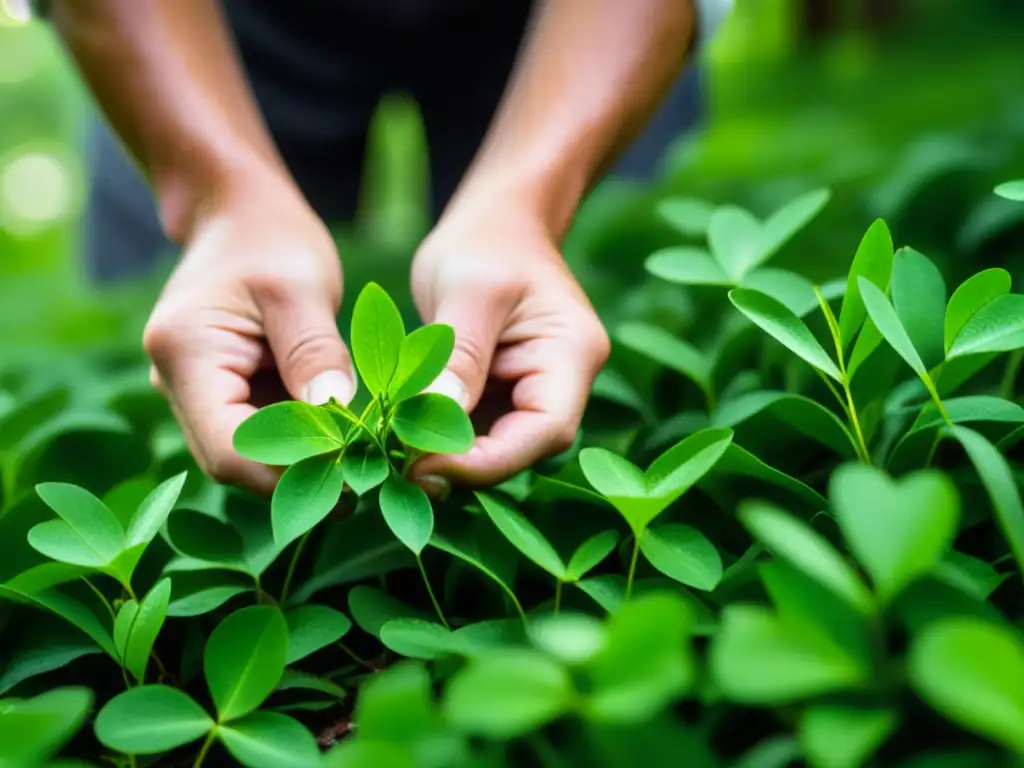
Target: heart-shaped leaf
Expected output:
[919,298]
[364,467]
[523,535]
[270,740]
[433,423]
[312,627]
[684,554]
[968,669]
[973,294]
[377,335]
[284,433]
[806,550]
[898,531]
[781,324]
[998,326]
[590,553]
[422,357]
[244,659]
[407,511]
[151,719]
[872,262]
[306,493]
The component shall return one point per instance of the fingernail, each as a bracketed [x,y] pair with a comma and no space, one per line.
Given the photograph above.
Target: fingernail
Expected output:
[436,487]
[324,386]
[451,385]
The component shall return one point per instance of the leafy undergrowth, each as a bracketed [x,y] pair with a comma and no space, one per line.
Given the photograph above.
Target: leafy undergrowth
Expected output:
[801,543]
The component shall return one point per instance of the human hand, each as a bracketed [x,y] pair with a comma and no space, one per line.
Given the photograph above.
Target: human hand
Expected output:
[257,289]
[528,344]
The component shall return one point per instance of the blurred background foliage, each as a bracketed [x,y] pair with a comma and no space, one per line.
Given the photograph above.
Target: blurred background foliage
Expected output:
[909,110]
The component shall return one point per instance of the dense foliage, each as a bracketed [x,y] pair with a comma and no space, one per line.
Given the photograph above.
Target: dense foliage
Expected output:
[795,537]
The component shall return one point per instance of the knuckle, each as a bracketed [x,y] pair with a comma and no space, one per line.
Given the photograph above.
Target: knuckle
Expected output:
[563,438]
[471,349]
[598,342]
[160,337]
[312,344]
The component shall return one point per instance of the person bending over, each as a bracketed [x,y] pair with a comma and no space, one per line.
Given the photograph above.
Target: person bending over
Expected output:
[248,120]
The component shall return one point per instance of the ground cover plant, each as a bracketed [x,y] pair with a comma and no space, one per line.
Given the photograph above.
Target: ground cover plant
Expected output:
[794,537]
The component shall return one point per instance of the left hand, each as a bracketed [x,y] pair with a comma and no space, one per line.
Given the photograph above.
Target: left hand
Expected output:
[528,344]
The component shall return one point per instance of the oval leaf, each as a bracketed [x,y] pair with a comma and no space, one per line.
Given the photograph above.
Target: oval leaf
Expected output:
[312,627]
[147,625]
[523,535]
[306,493]
[364,467]
[687,266]
[407,512]
[973,294]
[433,423]
[873,262]
[422,357]
[996,327]
[888,324]
[919,298]
[151,719]
[87,516]
[284,433]
[270,740]
[377,334]
[684,554]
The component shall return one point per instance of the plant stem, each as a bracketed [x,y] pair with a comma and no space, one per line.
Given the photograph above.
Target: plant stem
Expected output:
[103,599]
[518,606]
[292,565]
[1010,375]
[558,596]
[934,448]
[206,748]
[124,676]
[430,591]
[632,564]
[355,657]
[261,596]
[131,592]
[862,446]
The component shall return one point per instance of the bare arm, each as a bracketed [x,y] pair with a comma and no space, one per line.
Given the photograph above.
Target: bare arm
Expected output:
[591,74]
[167,77]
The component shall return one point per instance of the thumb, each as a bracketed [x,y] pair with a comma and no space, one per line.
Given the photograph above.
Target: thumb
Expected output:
[311,358]
[478,324]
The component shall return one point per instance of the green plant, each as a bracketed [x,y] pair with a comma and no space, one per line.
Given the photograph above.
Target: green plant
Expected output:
[821,563]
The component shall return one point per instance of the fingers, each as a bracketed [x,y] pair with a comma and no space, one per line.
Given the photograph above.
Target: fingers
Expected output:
[554,377]
[302,331]
[478,318]
[204,376]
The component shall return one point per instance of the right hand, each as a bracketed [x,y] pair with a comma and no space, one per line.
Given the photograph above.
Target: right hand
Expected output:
[258,287]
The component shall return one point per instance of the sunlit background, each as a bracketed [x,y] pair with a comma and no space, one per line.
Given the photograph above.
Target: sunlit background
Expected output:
[910,110]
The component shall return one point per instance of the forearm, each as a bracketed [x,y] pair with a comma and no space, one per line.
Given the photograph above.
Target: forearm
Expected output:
[166,76]
[590,75]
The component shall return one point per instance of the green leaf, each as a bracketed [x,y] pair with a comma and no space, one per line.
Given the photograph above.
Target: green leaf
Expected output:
[785,327]
[888,323]
[370,754]
[645,663]
[45,576]
[306,493]
[736,240]
[873,262]
[151,515]
[270,740]
[294,680]
[687,266]
[998,480]
[68,609]
[59,541]
[46,644]
[419,639]
[899,531]
[572,638]
[372,608]
[687,215]
[793,291]
[87,517]
[785,222]
[146,627]
[202,537]
[998,326]
[467,550]
[758,659]
[973,294]
[364,467]
[1011,190]
[421,359]
[523,535]
[969,670]
[680,467]
[151,719]
[664,348]
[684,554]
[204,600]
[123,626]
[919,298]
[433,423]
[806,550]
[969,574]
[284,433]
[377,334]
[590,553]
[407,511]
[836,736]
[31,730]
[803,414]
[312,627]
[507,693]
[244,659]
